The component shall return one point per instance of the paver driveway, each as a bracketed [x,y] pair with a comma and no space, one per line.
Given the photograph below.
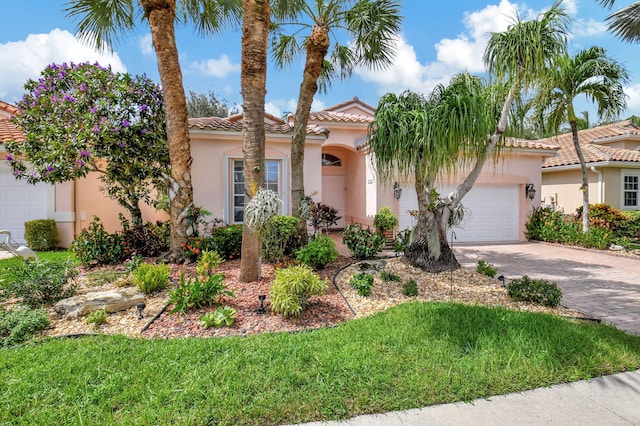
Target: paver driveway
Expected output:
[598,284]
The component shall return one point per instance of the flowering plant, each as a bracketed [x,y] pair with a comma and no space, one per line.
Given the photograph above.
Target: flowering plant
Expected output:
[82,118]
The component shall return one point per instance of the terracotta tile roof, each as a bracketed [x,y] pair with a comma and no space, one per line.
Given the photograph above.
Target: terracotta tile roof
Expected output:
[529,144]
[9,132]
[355,100]
[593,152]
[339,117]
[234,124]
[8,109]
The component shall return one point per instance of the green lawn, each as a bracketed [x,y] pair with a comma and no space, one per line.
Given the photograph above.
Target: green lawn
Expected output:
[413,355]
[59,255]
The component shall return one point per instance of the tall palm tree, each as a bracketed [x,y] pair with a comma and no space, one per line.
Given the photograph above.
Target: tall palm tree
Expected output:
[590,73]
[625,22]
[100,22]
[425,138]
[255,37]
[373,25]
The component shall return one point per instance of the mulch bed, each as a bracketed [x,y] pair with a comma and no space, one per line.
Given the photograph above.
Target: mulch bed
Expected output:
[325,311]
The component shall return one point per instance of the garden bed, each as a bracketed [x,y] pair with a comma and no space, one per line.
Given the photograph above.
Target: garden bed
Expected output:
[340,304]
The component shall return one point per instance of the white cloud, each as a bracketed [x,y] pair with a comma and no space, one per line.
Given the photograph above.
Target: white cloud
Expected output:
[146,44]
[278,107]
[216,67]
[25,59]
[272,109]
[453,55]
[590,28]
[633,100]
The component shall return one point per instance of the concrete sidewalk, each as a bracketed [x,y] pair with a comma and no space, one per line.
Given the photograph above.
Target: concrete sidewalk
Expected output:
[607,400]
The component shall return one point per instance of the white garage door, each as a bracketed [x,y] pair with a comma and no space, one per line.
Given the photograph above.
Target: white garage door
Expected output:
[20,202]
[492,213]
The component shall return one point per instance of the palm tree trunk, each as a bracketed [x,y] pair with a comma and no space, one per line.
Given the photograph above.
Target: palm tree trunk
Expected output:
[429,249]
[255,32]
[585,179]
[317,48]
[161,15]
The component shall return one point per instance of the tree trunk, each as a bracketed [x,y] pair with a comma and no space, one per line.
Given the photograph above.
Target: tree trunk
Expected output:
[317,48]
[161,15]
[429,249]
[585,179]
[255,31]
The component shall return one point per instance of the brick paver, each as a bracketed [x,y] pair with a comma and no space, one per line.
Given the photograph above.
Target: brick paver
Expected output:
[599,284]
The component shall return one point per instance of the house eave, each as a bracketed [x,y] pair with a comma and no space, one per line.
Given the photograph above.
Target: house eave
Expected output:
[618,138]
[566,167]
[320,138]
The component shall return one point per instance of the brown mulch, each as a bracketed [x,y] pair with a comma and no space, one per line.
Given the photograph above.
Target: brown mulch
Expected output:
[325,311]
[340,304]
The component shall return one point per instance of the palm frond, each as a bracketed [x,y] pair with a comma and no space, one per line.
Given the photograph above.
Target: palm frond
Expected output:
[210,16]
[625,23]
[101,23]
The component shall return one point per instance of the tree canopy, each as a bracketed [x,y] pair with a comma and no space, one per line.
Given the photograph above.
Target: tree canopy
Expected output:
[82,118]
[208,105]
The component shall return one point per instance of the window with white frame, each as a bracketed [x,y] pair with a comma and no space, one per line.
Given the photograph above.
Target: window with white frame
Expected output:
[630,190]
[271,182]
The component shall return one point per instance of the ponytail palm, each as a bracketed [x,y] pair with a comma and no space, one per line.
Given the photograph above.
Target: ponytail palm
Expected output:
[590,73]
[372,26]
[459,125]
[101,22]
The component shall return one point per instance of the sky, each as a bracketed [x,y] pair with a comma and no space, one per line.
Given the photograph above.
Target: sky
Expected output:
[438,40]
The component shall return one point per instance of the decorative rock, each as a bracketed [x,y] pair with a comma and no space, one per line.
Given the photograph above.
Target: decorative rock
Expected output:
[615,247]
[371,266]
[110,301]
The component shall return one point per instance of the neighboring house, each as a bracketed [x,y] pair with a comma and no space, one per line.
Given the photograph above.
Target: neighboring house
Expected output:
[21,201]
[338,172]
[612,154]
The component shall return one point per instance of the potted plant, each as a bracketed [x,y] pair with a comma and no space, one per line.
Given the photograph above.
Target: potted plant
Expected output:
[385,222]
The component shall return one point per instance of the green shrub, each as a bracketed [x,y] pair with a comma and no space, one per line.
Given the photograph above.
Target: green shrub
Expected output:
[385,220]
[545,224]
[41,282]
[597,237]
[195,293]
[223,315]
[601,215]
[41,234]
[292,287]
[130,265]
[226,240]
[486,268]
[147,240]
[208,262]
[279,237]
[410,288]
[362,243]
[362,283]
[20,324]
[390,276]
[319,252]
[97,317]
[402,241]
[150,278]
[95,246]
[537,291]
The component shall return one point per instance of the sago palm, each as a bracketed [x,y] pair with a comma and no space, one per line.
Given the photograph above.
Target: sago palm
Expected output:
[625,22]
[371,25]
[102,22]
[590,73]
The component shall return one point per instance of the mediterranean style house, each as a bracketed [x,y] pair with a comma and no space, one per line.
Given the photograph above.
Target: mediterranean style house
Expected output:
[612,155]
[338,172]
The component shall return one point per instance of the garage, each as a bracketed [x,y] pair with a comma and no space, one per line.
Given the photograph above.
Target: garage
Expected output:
[492,213]
[20,202]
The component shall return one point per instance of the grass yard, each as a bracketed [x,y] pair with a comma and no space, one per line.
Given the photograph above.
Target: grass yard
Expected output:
[59,255]
[412,355]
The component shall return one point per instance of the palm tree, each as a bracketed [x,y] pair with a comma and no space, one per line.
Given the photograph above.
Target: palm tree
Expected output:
[101,22]
[373,26]
[625,22]
[426,138]
[255,37]
[590,73]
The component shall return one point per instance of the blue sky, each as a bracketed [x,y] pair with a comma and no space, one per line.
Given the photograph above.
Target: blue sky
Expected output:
[438,40]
